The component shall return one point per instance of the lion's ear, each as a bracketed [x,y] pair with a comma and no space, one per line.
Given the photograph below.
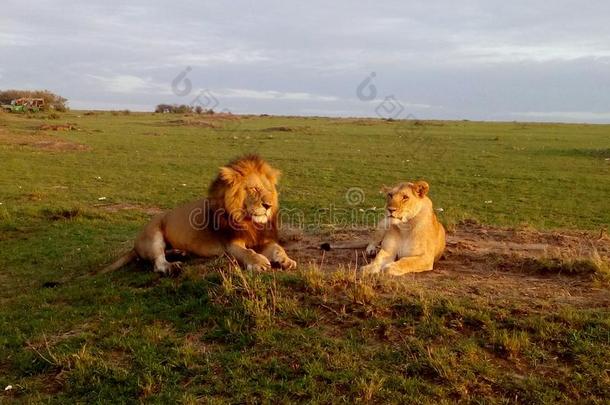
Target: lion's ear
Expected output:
[420,188]
[273,175]
[228,175]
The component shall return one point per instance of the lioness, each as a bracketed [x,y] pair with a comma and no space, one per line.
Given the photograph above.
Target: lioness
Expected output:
[239,217]
[409,232]
[410,235]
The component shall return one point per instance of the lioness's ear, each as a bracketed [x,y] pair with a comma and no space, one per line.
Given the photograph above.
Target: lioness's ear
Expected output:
[420,188]
[227,174]
[385,189]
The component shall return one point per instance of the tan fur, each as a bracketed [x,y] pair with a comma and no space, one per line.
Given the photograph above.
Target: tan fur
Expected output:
[410,236]
[238,218]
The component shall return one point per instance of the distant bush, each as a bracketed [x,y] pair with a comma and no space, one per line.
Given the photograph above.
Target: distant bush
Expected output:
[121,112]
[51,100]
[181,109]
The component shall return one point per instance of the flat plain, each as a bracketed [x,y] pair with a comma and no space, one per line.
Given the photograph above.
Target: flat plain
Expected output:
[517,310]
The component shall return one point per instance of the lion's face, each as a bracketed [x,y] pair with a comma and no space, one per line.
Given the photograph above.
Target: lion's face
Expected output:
[405,200]
[250,191]
[260,200]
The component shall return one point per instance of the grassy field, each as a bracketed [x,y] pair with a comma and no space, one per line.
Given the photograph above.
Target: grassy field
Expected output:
[72,200]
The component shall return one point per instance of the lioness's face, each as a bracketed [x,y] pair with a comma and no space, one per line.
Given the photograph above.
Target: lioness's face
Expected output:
[405,200]
[260,200]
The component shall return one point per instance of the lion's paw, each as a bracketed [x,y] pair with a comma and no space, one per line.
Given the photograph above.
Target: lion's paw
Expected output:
[175,268]
[258,262]
[169,269]
[286,263]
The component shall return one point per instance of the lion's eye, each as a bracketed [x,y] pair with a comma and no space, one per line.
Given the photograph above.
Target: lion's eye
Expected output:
[405,197]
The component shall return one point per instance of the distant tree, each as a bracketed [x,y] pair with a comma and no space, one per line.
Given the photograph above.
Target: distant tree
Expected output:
[52,101]
[174,108]
[199,109]
[183,109]
[163,108]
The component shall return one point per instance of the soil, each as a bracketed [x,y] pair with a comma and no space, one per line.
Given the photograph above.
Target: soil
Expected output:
[488,263]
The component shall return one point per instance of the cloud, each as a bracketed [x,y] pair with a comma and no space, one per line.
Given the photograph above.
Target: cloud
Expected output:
[128,84]
[272,95]
[224,57]
[564,116]
[8,39]
[481,59]
[509,53]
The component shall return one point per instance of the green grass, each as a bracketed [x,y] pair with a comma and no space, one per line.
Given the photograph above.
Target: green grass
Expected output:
[218,335]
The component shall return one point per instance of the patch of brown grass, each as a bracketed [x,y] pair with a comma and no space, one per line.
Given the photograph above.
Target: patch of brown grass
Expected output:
[40,141]
[129,207]
[58,127]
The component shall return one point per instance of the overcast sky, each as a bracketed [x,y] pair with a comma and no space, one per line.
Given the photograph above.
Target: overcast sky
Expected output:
[488,59]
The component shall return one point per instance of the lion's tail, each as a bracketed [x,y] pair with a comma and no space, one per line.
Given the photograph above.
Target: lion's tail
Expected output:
[120,262]
[348,245]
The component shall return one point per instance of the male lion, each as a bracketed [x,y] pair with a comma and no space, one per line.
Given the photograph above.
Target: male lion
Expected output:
[410,233]
[239,217]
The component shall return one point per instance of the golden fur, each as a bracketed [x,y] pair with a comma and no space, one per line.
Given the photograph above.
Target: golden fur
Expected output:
[239,218]
[410,236]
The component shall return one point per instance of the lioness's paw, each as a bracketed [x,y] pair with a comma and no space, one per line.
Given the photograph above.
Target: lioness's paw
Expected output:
[369,269]
[258,262]
[371,249]
[393,269]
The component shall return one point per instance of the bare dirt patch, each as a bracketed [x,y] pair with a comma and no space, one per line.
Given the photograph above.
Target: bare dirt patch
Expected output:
[58,127]
[279,129]
[487,263]
[358,121]
[205,121]
[195,123]
[132,207]
[40,140]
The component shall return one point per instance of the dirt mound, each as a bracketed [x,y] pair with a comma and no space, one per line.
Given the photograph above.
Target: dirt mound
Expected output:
[491,263]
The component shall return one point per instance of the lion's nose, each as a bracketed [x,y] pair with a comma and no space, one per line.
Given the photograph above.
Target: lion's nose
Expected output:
[391,209]
[266,205]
